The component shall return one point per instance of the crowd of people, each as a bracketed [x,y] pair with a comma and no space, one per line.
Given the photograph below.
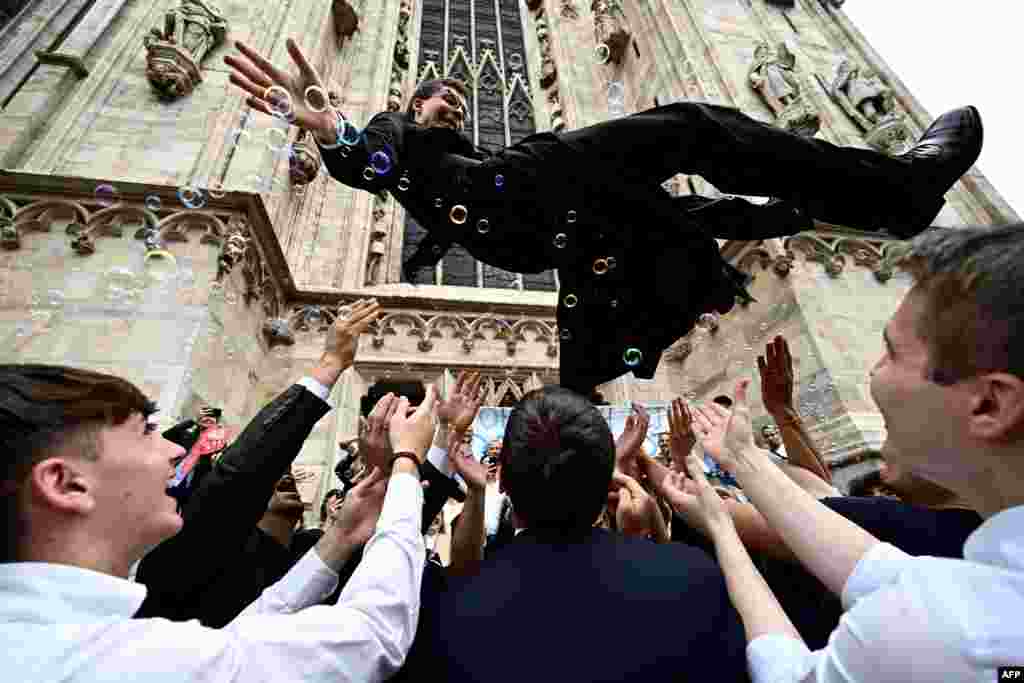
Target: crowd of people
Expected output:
[574,555]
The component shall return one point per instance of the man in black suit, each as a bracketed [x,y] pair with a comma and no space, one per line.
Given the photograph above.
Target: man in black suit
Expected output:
[590,202]
[221,560]
[564,601]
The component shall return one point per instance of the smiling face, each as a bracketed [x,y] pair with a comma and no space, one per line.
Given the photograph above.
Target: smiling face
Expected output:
[446,108]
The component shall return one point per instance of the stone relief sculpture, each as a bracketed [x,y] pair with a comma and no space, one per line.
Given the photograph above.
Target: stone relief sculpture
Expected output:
[871,105]
[304,160]
[568,10]
[610,30]
[174,54]
[772,74]
[548,71]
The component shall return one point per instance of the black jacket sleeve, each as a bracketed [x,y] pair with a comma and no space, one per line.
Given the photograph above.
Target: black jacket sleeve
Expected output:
[228,503]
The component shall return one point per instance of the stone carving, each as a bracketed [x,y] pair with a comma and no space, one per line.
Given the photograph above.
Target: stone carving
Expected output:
[772,74]
[378,245]
[174,54]
[871,104]
[557,115]
[567,8]
[548,70]
[395,95]
[610,29]
[467,329]
[832,252]
[277,332]
[346,21]
[304,160]
[783,263]
[235,245]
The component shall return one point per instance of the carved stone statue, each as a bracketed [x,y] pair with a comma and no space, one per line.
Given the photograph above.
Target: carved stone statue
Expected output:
[173,56]
[304,160]
[772,74]
[548,72]
[610,28]
[346,21]
[871,105]
[395,91]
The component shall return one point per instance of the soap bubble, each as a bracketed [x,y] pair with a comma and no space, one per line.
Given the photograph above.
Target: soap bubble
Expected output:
[602,53]
[191,197]
[349,134]
[611,262]
[499,181]
[237,136]
[561,239]
[458,214]
[571,300]
[154,203]
[313,315]
[403,183]
[565,335]
[570,217]
[600,266]
[381,163]
[107,194]
[316,98]
[279,101]
[632,357]
[216,190]
[483,226]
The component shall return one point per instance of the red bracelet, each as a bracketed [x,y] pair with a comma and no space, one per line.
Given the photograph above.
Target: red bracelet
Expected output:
[406,454]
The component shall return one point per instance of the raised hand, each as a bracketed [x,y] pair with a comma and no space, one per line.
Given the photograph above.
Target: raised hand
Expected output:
[374,442]
[776,369]
[681,436]
[458,411]
[635,511]
[343,336]
[461,457]
[412,430]
[727,436]
[631,440]
[307,103]
[353,520]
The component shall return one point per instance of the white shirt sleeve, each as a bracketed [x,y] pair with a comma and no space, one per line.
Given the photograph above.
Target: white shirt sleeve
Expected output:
[317,389]
[367,635]
[438,457]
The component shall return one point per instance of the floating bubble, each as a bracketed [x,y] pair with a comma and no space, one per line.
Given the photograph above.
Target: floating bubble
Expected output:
[107,195]
[191,197]
[316,98]
[570,217]
[255,181]
[499,181]
[56,297]
[561,239]
[632,357]
[483,226]
[438,203]
[277,139]
[368,174]
[600,266]
[571,300]
[602,53]
[403,183]
[706,321]
[614,303]
[381,162]
[279,101]
[314,315]
[565,335]
[154,203]
[611,262]
[348,134]
[216,189]
[458,214]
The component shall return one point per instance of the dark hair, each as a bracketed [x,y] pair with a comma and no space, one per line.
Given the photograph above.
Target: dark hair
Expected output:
[333,493]
[414,391]
[44,408]
[429,88]
[973,283]
[556,461]
[723,401]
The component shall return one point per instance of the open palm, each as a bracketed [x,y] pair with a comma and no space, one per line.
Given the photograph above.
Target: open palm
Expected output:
[459,409]
[726,435]
[307,105]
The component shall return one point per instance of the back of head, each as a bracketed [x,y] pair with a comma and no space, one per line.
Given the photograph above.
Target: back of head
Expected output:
[973,283]
[45,408]
[556,461]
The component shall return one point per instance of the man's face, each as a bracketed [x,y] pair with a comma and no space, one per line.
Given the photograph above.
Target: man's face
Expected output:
[492,460]
[664,444]
[286,501]
[926,422]
[771,436]
[445,109]
[127,485]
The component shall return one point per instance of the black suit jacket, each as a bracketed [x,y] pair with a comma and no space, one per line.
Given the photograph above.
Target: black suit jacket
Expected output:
[667,270]
[220,562]
[607,608]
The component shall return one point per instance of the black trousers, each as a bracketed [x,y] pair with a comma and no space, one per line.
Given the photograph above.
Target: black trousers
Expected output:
[739,155]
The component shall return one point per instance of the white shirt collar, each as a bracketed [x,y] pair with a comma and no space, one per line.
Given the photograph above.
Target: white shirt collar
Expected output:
[999,541]
[43,592]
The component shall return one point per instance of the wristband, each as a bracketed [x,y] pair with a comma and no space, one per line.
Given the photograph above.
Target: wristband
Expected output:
[405,454]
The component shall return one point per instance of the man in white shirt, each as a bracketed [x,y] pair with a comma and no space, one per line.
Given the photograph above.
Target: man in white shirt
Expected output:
[950,386]
[84,489]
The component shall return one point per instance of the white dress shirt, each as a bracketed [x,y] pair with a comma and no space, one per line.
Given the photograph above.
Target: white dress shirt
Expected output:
[918,618]
[64,623]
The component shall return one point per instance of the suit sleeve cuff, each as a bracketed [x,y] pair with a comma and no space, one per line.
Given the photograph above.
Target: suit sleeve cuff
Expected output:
[319,390]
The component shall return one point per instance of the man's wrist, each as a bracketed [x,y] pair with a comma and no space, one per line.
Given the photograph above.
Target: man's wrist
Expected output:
[328,370]
[405,465]
[335,548]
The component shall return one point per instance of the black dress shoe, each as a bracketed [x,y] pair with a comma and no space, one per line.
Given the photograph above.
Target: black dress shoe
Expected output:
[941,157]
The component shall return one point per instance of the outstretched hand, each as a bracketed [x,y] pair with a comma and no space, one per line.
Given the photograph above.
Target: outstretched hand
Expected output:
[354,519]
[681,436]
[374,441]
[634,507]
[461,457]
[343,336]
[460,408]
[727,436]
[411,431]
[776,369]
[306,103]
[631,440]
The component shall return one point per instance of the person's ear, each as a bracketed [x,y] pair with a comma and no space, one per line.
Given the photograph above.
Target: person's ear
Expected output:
[63,485]
[997,407]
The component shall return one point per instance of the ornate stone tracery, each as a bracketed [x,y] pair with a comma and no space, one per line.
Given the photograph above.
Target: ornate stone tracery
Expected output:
[174,53]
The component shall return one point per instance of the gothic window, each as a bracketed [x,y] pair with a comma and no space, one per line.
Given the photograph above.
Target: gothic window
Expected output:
[480,42]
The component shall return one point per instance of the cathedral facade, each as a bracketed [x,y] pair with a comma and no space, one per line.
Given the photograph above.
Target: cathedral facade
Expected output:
[153,226]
